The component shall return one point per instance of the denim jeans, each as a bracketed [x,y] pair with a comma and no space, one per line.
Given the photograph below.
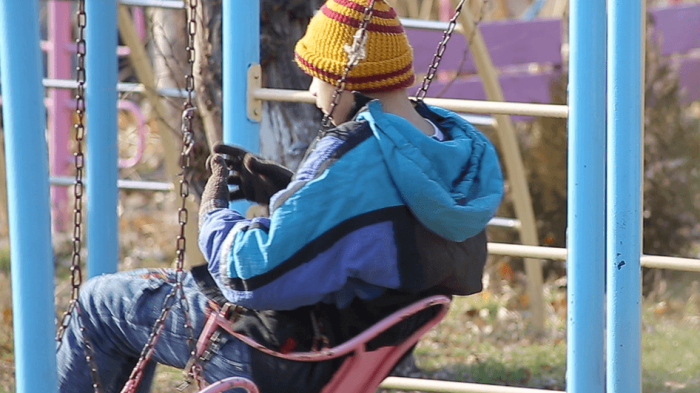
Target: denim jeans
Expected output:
[119,311]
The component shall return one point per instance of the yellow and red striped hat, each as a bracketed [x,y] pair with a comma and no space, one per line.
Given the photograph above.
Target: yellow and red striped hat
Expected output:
[389,62]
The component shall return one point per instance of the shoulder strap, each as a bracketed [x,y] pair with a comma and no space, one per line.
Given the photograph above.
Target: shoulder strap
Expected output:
[207,285]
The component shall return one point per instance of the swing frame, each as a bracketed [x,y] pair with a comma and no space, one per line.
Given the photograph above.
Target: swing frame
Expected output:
[359,360]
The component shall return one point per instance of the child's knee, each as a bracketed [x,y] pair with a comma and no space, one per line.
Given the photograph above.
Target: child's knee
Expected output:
[104,290]
[89,287]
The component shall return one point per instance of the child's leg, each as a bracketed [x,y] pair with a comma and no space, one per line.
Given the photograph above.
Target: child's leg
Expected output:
[119,311]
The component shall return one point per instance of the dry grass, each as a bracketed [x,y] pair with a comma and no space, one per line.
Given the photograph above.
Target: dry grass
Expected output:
[485,339]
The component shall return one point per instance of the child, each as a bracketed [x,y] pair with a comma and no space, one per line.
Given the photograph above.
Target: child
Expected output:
[387,207]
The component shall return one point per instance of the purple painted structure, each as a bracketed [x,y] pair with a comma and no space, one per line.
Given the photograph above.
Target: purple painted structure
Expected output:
[515,47]
[678,29]
[528,55]
[682,24]
[510,42]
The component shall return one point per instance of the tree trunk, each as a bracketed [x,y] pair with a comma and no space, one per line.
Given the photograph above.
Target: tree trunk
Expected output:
[286,128]
[168,72]
[209,62]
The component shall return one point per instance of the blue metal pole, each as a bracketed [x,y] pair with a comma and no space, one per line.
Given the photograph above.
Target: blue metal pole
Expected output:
[102,159]
[586,204]
[242,24]
[28,197]
[624,193]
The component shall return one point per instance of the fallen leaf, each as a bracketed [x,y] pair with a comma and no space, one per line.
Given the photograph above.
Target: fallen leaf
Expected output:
[524,300]
[505,271]
[661,308]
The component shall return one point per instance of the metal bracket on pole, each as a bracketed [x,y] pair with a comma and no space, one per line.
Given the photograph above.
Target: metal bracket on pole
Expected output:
[254,105]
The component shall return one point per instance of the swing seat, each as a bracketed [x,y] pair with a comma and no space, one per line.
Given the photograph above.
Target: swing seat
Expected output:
[361,372]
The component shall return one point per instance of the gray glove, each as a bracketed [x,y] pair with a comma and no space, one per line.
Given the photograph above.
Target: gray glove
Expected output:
[215,195]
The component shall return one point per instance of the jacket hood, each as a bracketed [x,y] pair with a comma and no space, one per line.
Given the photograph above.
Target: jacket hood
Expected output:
[453,187]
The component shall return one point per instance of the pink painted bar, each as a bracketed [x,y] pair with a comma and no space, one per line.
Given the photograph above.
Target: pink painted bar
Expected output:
[139,18]
[142,130]
[446,10]
[60,51]
[229,383]
[47,46]
[59,114]
[446,13]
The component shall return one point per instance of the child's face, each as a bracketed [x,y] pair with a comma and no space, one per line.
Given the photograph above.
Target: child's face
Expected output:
[323,92]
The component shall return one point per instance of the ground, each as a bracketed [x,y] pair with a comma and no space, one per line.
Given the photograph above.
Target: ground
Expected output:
[485,337]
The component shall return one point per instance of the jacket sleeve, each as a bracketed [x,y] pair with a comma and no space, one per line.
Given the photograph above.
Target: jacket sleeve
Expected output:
[247,260]
[213,230]
[218,232]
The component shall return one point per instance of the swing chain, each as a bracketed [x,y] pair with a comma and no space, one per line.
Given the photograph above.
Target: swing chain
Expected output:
[147,351]
[356,52]
[78,186]
[420,94]
[183,216]
[78,189]
[195,372]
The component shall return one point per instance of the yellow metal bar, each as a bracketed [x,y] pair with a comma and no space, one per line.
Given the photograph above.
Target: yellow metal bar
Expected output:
[463,106]
[519,250]
[560,254]
[426,385]
[501,108]
[655,261]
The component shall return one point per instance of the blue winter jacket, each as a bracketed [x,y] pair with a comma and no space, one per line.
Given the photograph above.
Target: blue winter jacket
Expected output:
[376,204]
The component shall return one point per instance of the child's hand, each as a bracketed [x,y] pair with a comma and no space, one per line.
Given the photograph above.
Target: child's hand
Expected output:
[215,195]
[257,179]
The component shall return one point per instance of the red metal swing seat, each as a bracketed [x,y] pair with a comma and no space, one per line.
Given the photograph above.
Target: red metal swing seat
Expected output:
[361,372]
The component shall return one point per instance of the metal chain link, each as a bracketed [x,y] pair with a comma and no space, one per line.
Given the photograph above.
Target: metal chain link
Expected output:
[185,158]
[194,367]
[356,52]
[148,348]
[442,46]
[183,216]
[78,189]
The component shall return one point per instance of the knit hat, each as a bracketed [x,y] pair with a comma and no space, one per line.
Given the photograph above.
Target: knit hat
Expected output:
[389,61]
